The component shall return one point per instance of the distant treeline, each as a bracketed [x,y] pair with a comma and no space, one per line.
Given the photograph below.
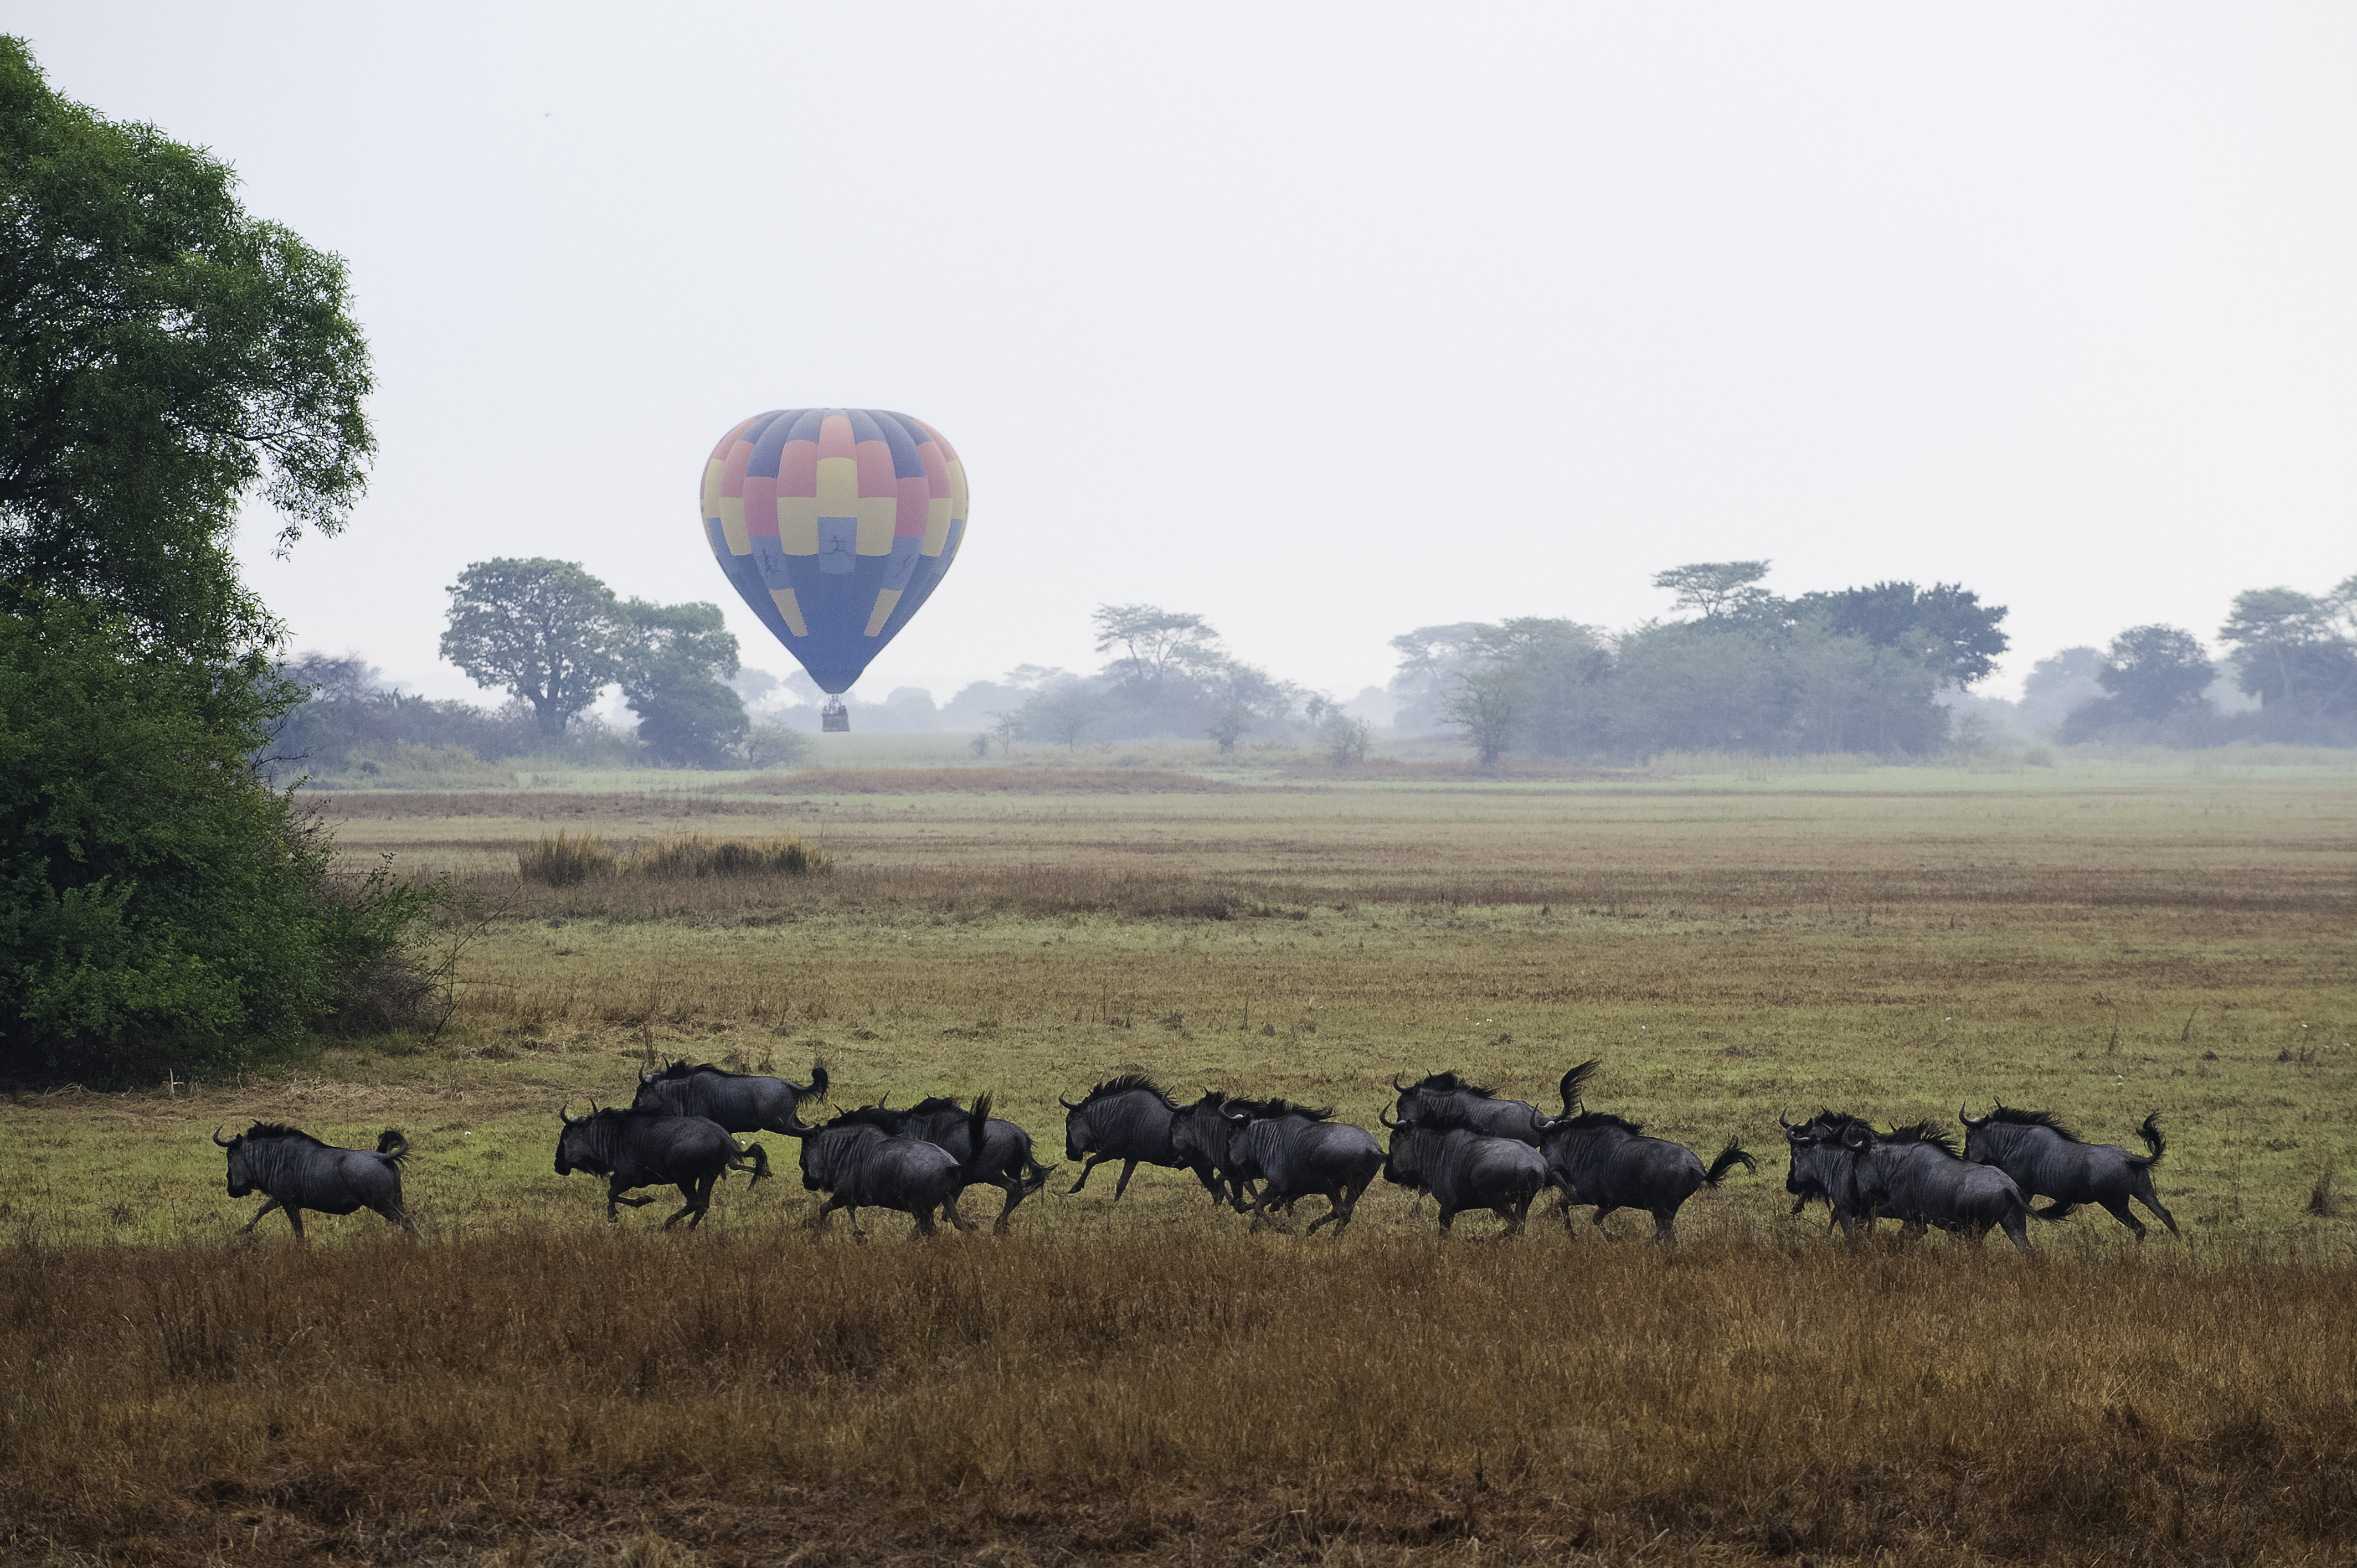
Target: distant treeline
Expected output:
[1887,668]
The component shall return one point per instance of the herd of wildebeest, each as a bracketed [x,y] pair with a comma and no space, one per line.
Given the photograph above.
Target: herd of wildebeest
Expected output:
[1457,1142]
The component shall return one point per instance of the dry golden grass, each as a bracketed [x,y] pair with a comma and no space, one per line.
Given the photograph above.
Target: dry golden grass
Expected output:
[751,1398]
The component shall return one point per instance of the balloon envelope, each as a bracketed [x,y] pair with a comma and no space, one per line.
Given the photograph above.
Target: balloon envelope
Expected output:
[835,524]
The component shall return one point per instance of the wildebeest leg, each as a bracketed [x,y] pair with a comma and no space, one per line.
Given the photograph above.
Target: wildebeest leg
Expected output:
[2016,1230]
[293,1217]
[1447,1216]
[247,1229]
[1014,1187]
[2117,1207]
[699,1200]
[1088,1164]
[950,1212]
[851,1212]
[924,1218]
[2144,1195]
[1129,1170]
[1601,1210]
[1337,1213]
[394,1212]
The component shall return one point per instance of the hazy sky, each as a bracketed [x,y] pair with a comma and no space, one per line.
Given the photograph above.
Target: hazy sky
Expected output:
[1325,321]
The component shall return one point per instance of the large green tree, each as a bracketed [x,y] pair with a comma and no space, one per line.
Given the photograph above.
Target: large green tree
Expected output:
[163,354]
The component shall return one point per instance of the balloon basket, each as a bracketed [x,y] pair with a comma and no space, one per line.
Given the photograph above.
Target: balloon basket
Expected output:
[835,719]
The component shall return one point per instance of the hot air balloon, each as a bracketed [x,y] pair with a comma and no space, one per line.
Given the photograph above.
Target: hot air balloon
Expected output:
[835,524]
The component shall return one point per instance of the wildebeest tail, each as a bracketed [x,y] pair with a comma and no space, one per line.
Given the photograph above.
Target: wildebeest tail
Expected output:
[1575,1080]
[759,1158]
[1729,1158]
[1033,1174]
[2054,1211]
[977,1158]
[818,1078]
[2150,1133]
[396,1148]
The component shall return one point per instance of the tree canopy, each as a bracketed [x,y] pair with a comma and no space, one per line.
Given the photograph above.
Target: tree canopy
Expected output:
[162,354]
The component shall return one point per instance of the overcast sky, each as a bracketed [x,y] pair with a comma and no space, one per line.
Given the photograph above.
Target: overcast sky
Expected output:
[1325,321]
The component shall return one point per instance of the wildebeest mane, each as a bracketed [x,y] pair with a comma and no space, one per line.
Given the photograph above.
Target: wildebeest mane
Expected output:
[934,1103]
[1924,1132]
[2006,1116]
[1447,1117]
[891,1119]
[281,1130]
[1270,1108]
[1598,1122]
[681,1069]
[1127,1083]
[1451,1082]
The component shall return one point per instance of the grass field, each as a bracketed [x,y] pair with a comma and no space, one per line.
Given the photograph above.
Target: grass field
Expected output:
[1146,1381]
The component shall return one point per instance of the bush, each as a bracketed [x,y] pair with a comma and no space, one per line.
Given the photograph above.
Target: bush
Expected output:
[159,906]
[775,745]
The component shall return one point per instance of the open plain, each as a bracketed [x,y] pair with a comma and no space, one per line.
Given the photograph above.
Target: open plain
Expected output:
[1144,1381]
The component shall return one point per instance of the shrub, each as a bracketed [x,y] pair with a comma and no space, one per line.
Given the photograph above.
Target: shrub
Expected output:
[563,861]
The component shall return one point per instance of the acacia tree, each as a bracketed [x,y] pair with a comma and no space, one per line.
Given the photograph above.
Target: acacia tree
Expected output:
[1488,707]
[1720,590]
[543,630]
[1154,644]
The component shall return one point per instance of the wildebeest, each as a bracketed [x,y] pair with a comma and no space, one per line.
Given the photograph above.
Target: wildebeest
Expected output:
[1126,1118]
[1202,1136]
[296,1172]
[1596,1157]
[646,1148]
[1918,1178]
[1477,1110]
[2046,1159]
[1818,1160]
[742,1102]
[1297,1152]
[862,1159]
[1007,1161]
[1437,1152]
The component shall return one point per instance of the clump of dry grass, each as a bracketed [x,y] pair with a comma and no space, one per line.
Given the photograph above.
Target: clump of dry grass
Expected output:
[701,855]
[566,862]
[1172,1398]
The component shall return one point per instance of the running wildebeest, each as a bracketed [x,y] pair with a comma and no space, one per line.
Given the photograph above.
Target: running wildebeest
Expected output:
[1818,1160]
[1918,1179]
[1202,1137]
[2046,1159]
[1007,1161]
[1596,1157]
[646,1148]
[296,1172]
[742,1102]
[1477,1110]
[1126,1118]
[1437,1152]
[864,1159]
[1296,1153]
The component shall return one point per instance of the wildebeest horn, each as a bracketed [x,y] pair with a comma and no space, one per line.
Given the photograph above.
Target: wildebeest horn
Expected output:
[224,1142]
[1783,1121]
[1383,1118]
[1968,1121]
[1066,1103]
[649,1076]
[564,1114]
[1395,1085]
